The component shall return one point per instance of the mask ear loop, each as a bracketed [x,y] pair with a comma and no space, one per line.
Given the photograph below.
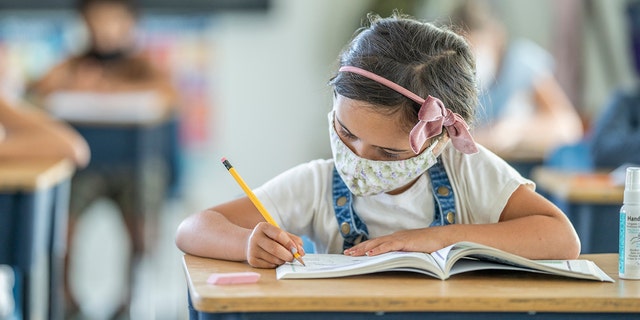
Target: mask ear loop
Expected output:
[432,117]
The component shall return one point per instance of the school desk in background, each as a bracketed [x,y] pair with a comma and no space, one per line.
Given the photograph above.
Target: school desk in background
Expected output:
[34,196]
[123,129]
[591,197]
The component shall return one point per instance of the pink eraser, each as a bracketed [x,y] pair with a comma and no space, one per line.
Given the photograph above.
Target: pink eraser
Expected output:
[233,278]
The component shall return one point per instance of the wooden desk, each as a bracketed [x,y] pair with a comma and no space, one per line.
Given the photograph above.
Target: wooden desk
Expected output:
[579,187]
[34,198]
[591,201]
[33,174]
[407,295]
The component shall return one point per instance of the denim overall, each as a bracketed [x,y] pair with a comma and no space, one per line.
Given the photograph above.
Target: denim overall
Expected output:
[354,231]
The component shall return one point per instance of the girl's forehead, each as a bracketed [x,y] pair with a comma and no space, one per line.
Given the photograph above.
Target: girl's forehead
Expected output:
[347,107]
[364,121]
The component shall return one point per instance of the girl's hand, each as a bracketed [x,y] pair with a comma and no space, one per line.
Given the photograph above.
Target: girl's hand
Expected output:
[269,246]
[416,240]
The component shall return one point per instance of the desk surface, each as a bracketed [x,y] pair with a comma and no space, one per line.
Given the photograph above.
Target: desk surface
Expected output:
[522,156]
[32,174]
[483,291]
[596,188]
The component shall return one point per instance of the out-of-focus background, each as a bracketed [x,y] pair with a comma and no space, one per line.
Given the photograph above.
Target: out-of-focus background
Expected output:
[252,77]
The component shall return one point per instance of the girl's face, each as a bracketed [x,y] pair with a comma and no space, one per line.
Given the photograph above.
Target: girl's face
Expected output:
[373,135]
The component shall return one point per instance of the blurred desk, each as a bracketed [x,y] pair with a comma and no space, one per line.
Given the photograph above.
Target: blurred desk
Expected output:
[34,197]
[406,295]
[123,129]
[591,201]
[132,144]
[523,160]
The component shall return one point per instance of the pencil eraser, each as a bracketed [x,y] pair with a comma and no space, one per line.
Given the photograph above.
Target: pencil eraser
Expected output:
[233,278]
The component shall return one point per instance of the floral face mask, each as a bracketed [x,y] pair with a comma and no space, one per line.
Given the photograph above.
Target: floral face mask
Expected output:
[366,177]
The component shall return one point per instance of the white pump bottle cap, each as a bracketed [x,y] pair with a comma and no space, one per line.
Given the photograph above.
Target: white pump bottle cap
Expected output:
[632,186]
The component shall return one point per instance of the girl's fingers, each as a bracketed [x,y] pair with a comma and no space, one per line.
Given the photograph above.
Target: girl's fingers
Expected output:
[285,241]
[299,244]
[361,248]
[269,245]
[383,247]
[264,261]
[374,247]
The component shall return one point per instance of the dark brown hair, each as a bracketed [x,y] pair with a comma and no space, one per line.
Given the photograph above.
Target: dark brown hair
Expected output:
[424,58]
[130,5]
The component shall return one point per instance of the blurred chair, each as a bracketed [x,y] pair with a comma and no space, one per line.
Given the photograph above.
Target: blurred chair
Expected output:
[571,157]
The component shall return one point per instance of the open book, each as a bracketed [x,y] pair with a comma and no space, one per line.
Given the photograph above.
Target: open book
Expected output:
[458,258]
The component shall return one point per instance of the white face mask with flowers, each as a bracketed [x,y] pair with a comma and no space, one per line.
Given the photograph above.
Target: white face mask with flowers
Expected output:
[366,177]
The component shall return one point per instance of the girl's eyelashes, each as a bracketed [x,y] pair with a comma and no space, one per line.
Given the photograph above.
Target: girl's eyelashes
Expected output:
[346,134]
[389,155]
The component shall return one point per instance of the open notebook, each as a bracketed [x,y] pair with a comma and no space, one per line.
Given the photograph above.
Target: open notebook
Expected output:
[458,258]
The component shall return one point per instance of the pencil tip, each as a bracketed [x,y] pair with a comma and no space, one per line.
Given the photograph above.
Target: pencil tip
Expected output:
[299,258]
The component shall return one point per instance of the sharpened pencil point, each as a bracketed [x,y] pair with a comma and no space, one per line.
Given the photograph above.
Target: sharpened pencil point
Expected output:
[297,256]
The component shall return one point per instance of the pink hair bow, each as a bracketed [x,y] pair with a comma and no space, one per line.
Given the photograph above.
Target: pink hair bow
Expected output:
[431,118]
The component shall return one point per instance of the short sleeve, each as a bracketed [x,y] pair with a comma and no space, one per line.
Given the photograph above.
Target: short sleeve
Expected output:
[483,184]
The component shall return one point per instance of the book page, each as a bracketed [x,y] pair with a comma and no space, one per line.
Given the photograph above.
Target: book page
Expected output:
[580,266]
[338,265]
[320,262]
[478,257]
[441,256]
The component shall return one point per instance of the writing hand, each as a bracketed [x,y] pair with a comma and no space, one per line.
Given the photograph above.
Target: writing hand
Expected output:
[269,246]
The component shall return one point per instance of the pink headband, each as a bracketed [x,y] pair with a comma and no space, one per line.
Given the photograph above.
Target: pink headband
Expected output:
[431,118]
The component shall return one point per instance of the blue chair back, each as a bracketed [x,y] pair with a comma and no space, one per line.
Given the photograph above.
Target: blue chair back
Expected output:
[571,157]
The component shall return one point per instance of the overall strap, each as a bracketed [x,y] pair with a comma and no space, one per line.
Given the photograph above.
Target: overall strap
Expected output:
[352,228]
[445,202]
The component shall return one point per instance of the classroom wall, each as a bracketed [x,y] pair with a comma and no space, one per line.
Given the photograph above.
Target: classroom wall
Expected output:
[270,92]
[608,63]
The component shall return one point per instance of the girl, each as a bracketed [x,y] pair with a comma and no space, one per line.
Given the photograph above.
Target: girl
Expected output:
[405,174]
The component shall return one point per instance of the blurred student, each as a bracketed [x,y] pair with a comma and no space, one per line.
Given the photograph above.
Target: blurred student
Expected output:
[523,108]
[32,134]
[105,79]
[615,140]
[112,63]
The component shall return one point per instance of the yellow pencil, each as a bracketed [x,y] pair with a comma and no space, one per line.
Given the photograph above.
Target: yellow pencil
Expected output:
[256,202]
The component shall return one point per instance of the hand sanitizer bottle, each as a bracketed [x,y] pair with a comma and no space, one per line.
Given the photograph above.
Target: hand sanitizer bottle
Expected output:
[629,250]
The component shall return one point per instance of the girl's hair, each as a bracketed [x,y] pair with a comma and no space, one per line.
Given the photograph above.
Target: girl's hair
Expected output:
[419,56]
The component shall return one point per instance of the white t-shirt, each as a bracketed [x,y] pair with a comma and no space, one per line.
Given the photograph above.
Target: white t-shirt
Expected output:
[301,198]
